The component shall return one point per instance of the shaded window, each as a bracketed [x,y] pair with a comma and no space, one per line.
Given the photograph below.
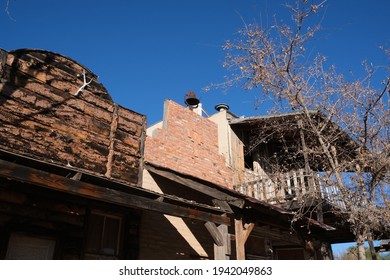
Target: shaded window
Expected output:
[290,254]
[25,247]
[104,235]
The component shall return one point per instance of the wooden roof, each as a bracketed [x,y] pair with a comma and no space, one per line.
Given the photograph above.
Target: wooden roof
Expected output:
[54,110]
[283,131]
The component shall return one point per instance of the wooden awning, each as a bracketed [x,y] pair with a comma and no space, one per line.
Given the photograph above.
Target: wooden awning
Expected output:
[219,193]
[70,181]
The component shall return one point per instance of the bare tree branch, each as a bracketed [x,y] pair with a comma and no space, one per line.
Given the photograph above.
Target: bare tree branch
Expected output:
[347,141]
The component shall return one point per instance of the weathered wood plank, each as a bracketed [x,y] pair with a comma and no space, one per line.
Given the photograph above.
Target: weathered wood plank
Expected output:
[131,148]
[12,197]
[15,78]
[223,205]
[129,127]
[127,117]
[130,116]
[274,233]
[215,193]
[296,188]
[128,138]
[105,194]
[223,252]
[91,94]
[215,233]
[79,114]
[42,117]
[54,144]
[44,58]
[40,214]
[242,232]
[50,73]
[61,68]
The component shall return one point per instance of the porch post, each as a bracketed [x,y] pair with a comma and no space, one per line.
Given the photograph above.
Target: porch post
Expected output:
[222,243]
[242,230]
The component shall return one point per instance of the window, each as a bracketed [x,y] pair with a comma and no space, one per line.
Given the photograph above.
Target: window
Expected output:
[104,235]
[25,247]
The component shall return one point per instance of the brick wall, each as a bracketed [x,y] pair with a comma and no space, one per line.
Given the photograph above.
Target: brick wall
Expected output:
[188,143]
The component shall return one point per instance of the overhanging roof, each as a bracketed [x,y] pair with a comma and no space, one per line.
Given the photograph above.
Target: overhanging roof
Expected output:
[73,181]
[256,119]
[263,212]
[286,128]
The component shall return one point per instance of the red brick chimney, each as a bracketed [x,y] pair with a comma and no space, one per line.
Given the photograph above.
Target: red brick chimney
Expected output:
[188,143]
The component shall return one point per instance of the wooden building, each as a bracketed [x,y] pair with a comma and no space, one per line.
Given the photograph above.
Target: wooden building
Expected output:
[202,159]
[82,178]
[71,165]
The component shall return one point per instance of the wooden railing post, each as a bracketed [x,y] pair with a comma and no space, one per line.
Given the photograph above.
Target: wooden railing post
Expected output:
[310,180]
[280,186]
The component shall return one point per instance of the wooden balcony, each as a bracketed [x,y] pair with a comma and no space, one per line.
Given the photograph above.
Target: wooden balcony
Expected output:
[285,187]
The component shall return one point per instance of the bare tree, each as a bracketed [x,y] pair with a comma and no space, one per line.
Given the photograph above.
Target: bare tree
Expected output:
[7,10]
[344,120]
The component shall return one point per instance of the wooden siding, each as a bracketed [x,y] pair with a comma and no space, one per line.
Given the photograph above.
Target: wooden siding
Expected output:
[177,239]
[42,117]
[38,212]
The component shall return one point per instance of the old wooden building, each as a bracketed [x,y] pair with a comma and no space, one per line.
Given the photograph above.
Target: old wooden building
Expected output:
[203,159]
[81,177]
[71,165]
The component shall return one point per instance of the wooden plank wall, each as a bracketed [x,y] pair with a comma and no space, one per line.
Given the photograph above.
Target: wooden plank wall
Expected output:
[173,241]
[58,216]
[42,117]
[238,162]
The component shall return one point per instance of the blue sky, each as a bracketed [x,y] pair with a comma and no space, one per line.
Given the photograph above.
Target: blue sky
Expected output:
[146,51]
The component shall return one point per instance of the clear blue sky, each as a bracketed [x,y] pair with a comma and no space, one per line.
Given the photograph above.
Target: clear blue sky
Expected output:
[146,51]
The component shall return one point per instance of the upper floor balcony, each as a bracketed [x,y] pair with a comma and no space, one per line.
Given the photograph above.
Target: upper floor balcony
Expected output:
[285,188]
[284,161]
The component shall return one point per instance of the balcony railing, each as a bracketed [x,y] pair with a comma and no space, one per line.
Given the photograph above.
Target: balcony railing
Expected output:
[283,187]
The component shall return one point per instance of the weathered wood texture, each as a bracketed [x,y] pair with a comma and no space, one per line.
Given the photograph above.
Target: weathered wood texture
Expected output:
[16,203]
[242,230]
[42,117]
[51,181]
[223,252]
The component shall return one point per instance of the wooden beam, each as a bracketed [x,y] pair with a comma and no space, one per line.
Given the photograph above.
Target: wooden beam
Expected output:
[275,234]
[223,205]
[77,176]
[223,252]
[215,233]
[213,192]
[243,230]
[222,240]
[114,183]
[55,182]
[40,214]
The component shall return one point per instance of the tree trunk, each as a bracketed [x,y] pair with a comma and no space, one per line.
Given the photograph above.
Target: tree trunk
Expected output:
[372,249]
[361,251]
